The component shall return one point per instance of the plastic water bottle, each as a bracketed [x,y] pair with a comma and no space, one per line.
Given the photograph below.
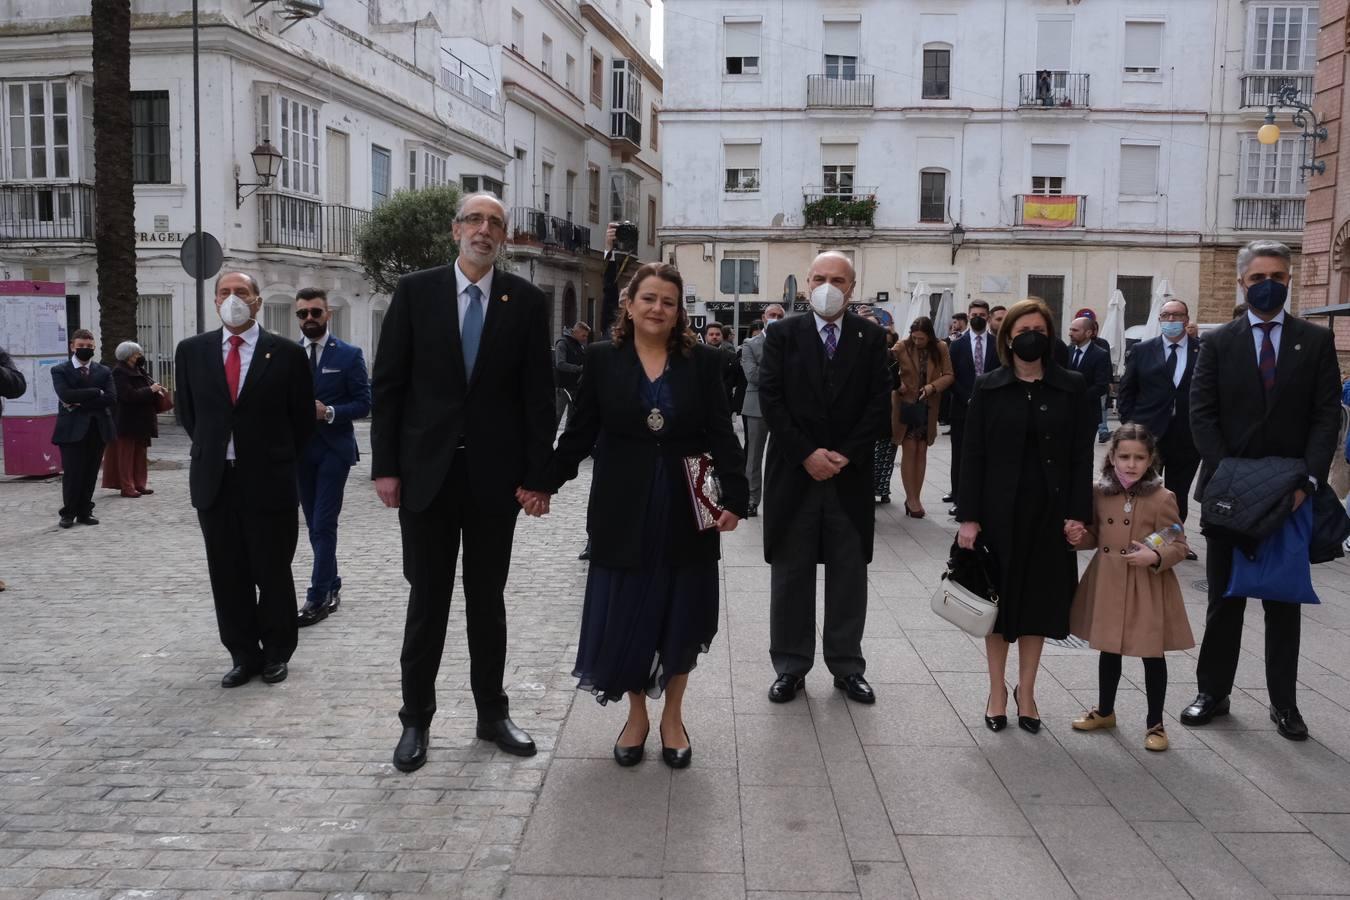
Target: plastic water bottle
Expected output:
[1159,539]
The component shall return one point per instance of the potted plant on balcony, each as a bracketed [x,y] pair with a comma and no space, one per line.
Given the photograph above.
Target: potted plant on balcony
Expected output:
[840,210]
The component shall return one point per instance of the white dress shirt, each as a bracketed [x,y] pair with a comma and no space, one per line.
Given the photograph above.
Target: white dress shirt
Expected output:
[322,341]
[1183,345]
[838,329]
[245,357]
[462,283]
[1259,334]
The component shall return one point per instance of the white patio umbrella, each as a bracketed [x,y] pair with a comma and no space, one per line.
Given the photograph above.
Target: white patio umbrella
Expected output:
[918,306]
[1113,329]
[1161,294]
[944,312]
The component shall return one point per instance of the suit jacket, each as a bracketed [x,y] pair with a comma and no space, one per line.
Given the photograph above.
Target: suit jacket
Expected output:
[752,354]
[1231,414]
[270,423]
[425,410]
[963,367]
[341,382]
[610,417]
[1095,368]
[1147,396]
[841,404]
[12,382]
[86,402]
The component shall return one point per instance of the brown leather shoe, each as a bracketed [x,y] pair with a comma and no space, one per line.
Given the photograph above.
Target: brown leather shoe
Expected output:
[1156,739]
[1094,720]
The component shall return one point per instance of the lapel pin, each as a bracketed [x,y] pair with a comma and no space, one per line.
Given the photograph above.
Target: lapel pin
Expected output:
[267,356]
[505,298]
[1298,346]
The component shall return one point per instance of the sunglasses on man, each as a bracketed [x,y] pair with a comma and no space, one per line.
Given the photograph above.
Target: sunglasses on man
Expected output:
[310,312]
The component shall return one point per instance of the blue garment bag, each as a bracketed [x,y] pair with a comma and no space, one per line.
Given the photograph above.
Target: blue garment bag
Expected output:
[1279,570]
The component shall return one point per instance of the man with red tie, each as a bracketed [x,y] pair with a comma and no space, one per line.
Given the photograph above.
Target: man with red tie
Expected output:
[246,398]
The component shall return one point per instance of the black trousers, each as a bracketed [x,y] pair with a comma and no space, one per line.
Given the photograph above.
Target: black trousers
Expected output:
[248,555]
[1223,635]
[820,529]
[958,441]
[1179,465]
[431,542]
[80,465]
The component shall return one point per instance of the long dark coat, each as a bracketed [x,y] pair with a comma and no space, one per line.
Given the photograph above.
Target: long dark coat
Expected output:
[137,416]
[842,404]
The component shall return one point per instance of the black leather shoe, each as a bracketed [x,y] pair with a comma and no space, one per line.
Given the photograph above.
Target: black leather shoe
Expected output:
[86,520]
[1204,708]
[994,723]
[678,759]
[1190,554]
[309,614]
[334,600]
[585,552]
[237,676]
[785,688]
[274,672]
[1026,723]
[948,498]
[856,687]
[411,752]
[508,737]
[1290,723]
[630,756]
[751,513]
[66,522]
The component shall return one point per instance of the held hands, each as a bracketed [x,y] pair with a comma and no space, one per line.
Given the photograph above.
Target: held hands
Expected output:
[727,521]
[388,490]
[535,503]
[822,464]
[1074,531]
[1142,555]
[965,537]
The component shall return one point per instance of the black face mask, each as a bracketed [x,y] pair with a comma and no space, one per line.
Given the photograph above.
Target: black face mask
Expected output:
[84,354]
[978,324]
[1030,346]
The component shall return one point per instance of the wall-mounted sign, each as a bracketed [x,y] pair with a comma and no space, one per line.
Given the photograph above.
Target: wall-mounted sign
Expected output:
[161,237]
[161,223]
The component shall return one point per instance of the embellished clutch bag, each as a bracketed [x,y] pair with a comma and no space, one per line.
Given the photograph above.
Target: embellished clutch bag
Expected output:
[705,494]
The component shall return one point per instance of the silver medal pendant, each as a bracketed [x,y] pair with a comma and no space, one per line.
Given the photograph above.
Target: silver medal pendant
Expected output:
[1129,503]
[655,421]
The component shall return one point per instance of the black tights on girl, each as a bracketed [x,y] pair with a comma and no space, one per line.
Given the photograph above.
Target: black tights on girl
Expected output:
[1155,685]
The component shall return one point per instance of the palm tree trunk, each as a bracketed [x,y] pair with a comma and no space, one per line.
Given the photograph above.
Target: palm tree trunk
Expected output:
[114,197]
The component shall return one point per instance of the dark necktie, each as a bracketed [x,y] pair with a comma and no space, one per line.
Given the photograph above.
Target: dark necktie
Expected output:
[1077,357]
[84,371]
[979,355]
[1266,361]
[472,332]
[314,356]
[831,343]
[1172,364]
[232,366]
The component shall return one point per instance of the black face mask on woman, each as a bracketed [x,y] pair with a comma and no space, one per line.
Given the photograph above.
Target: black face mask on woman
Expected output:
[1030,346]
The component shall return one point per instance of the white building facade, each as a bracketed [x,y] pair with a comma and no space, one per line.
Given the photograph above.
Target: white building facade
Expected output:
[361,101]
[1080,147]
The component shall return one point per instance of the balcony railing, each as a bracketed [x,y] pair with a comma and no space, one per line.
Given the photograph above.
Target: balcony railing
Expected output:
[845,93]
[1049,210]
[301,224]
[1269,214]
[1053,90]
[46,212]
[626,126]
[534,226]
[1260,90]
[839,208]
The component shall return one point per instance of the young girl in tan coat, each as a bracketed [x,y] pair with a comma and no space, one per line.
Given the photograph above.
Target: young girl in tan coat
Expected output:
[1129,601]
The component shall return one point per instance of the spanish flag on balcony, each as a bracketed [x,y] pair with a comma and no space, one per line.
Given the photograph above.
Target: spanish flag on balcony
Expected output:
[1049,211]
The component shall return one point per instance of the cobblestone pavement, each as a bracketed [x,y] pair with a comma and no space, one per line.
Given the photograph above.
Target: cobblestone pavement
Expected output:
[126,771]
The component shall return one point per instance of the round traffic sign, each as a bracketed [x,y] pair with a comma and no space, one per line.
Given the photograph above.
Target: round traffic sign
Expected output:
[211,256]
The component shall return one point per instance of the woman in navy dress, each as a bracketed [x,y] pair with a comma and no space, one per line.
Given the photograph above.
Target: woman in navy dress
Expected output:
[647,399]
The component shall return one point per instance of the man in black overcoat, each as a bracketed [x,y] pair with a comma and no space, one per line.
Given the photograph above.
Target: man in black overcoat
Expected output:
[825,394]
[84,426]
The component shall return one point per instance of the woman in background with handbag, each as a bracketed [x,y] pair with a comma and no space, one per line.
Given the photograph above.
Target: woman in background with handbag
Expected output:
[648,400]
[925,372]
[1026,484]
[139,400]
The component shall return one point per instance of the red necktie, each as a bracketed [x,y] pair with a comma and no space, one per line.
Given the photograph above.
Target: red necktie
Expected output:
[232,363]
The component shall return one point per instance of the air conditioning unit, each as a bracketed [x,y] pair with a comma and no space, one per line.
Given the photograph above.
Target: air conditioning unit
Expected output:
[301,9]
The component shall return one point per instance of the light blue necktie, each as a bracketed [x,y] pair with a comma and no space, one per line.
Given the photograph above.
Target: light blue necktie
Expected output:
[472,331]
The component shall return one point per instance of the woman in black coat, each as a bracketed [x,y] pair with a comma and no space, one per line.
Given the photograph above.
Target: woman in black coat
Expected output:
[1026,485]
[137,417]
[647,400]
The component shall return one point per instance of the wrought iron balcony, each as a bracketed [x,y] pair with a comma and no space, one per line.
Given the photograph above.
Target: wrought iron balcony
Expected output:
[1269,214]
[300,224]
[1049,210]
[839,208]
[842,93]
[1053,90]
[534,226]
[1260,90]
[46,212]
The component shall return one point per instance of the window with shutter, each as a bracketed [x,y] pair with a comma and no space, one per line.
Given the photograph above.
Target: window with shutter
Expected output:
[741,41]
[1143,47]
[1049,168]
[841,42]
[1053,46]
[742,168]
[1139,170]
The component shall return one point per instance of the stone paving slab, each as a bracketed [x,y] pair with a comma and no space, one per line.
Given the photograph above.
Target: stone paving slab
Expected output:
[125,771]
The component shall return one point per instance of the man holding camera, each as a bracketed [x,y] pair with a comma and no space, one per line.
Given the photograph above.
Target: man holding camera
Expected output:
[568,353]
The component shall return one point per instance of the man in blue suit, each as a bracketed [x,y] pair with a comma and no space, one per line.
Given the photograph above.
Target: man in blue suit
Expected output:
[341,394]
[84,426]
[1087,357]
[973,354]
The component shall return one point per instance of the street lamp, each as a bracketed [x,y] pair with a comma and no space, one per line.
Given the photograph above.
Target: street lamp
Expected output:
[1287,96]
[267,162]
[958,238]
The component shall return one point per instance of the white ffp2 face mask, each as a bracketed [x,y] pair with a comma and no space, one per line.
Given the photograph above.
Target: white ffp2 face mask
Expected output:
[234,312]
[827,301]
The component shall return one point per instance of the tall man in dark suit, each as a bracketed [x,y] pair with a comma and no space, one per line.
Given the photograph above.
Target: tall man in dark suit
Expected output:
[341,395]
[1266,384]
[973,354]
[1087,358]
[463,416]
[84,426]
[825,393]
[1155,392]
[246,399]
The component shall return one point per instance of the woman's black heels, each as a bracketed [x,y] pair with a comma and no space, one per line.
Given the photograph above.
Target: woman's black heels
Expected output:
[1026,723]
[678,759]
[912,514]
[994,723]
[630,756]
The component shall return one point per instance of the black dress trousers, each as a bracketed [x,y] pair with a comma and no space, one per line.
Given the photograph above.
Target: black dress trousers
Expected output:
[80,465]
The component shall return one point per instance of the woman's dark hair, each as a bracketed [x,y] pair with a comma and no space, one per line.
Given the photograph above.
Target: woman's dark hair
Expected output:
[1132,431]
[925,325]
[682,339]
[1027,307]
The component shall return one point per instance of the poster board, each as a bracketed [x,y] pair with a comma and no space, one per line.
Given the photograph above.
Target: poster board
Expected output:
[33,332]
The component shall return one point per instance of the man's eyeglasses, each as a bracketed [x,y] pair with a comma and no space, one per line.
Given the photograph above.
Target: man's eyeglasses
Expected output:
[476,220]
[309,312]
[1172,317]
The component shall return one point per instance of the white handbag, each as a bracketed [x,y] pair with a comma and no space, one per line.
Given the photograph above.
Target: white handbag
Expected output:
[964,608]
